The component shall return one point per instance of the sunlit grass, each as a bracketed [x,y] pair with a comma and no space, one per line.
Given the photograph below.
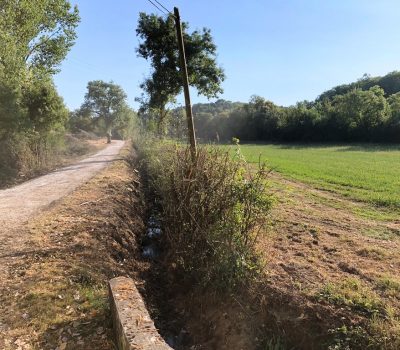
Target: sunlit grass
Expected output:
[366,173]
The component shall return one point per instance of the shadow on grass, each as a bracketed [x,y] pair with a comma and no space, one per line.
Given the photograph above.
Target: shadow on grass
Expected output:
[362,147]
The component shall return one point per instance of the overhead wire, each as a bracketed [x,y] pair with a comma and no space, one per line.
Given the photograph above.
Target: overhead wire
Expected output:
[159,3]
[157,7]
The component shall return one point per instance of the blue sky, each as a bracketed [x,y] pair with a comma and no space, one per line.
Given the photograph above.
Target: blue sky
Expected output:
[282,50]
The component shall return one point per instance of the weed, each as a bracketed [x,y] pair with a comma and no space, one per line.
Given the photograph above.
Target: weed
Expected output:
[351,292]
[275,343]
[381,233]
[23,155]
[372,252]
[384,333]
[93,298]
[83,276]
[347,338]
[212,211]
[390,285]
[380,334]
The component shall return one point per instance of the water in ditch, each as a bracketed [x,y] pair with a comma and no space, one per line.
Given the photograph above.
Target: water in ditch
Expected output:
[176,336]
[151,241]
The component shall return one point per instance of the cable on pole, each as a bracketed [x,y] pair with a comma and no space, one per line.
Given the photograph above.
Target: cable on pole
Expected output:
[159,3]
[157,7]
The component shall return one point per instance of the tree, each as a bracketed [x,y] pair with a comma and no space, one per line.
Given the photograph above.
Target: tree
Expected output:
[361,112]
[263,119]
[45,109]
[126,123]
[36,35]
[106,103]
[394,103]
[159,46]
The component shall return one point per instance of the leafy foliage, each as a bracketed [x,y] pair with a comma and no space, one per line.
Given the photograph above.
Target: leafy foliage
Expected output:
[349,115]
[105,104]
[159,46]
[35,35]
[45,108]
[390,83]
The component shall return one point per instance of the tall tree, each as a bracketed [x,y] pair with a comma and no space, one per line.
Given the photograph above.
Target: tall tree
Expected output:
[36,35]
[159,46]
[45,109]
[106,102]
[360,112]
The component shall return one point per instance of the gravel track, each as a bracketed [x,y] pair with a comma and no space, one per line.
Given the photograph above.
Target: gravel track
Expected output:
[20,203]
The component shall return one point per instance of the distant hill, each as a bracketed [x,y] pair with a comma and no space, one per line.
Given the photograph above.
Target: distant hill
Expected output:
[390,83]
[216,108]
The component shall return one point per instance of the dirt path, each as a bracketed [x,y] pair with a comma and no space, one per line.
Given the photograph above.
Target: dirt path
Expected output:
[22,202]
[53,292]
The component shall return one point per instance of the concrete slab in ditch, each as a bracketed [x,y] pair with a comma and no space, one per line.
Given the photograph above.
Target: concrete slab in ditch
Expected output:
[133,326]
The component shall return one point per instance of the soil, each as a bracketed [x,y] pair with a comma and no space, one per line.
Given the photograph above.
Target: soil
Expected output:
[46,245]
[58,263]
[315,239]
[319,238]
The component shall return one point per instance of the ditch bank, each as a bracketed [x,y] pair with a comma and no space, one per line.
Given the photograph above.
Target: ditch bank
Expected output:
[187,314]
[266,311]
[58,291]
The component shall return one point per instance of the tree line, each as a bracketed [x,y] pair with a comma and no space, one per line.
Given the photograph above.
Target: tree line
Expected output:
[35,38]
[365,111]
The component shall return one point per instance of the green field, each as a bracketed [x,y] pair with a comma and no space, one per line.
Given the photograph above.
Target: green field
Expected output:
[365,173]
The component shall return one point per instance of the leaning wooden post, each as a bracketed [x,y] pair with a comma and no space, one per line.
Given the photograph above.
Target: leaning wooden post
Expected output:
[185,79]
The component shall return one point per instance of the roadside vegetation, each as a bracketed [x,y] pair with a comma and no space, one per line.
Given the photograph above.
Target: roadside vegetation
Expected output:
[211,211]
[24,157]
[34,122]
[32,114]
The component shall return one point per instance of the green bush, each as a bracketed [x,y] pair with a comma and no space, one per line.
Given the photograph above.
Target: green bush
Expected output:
[212,211]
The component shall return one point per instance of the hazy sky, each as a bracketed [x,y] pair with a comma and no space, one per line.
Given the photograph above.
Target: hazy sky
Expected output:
[283,50]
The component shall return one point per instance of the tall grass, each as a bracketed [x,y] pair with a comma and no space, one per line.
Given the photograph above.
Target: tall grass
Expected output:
[212,212]
[23,155]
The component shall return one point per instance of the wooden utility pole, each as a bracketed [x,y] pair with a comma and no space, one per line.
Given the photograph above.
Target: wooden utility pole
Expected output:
[185,79]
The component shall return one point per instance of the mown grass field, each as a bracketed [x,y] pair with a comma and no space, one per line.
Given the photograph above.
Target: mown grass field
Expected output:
[368,173]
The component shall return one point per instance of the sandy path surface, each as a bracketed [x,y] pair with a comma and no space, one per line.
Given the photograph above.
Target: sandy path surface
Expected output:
[22,202]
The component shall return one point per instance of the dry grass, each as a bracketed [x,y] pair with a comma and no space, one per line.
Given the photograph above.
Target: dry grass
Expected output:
[318,257]
[57,291]
[212,211]
[23,159]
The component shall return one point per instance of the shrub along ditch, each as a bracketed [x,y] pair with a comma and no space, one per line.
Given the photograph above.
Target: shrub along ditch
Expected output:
[212,211]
